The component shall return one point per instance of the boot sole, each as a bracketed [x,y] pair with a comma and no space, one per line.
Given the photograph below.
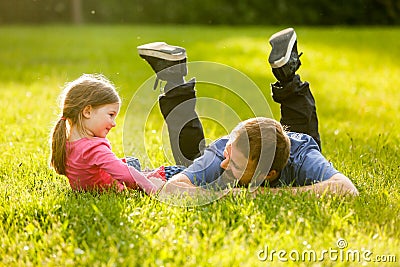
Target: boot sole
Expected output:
[282,44]
[162,50]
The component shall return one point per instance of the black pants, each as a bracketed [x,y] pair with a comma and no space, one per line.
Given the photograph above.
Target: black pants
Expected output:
[298,113]
[184,127]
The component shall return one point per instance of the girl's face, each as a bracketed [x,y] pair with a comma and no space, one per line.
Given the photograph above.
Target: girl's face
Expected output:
[99,121]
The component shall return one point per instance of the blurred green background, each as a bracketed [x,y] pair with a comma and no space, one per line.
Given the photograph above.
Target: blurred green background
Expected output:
[210,12]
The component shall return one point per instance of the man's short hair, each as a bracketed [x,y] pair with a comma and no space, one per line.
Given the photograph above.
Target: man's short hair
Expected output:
[262,137]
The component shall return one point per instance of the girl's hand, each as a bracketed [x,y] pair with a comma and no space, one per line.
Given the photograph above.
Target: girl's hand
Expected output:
[156,173]
[156,177]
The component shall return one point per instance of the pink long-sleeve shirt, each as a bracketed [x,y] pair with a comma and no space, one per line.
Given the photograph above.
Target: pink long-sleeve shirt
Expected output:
[92,165]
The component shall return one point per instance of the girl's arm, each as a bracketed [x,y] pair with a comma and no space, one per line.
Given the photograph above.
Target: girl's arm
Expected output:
[102,156]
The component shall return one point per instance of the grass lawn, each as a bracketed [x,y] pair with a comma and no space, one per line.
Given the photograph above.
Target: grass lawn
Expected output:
[354,75]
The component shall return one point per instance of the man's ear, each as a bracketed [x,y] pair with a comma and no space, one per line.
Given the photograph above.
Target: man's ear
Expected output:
[87,111]
[271,175]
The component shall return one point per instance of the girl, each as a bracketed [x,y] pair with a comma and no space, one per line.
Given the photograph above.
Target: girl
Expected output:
[79,148]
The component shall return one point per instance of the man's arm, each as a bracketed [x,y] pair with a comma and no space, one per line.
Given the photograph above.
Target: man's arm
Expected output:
[338,184]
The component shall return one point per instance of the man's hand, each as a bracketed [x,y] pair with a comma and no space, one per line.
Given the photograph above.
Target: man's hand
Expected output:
[179,184]
[157,182]
[155,178]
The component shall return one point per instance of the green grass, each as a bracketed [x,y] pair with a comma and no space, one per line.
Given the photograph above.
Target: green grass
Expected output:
[354,75]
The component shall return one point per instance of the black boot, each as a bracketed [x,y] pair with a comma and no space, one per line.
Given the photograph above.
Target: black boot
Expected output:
[284,58]
[167,61]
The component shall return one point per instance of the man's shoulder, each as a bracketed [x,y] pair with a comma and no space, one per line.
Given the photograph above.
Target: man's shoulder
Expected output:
[218,146]
[221,141]
[306,163]
[300,142]
[298,136]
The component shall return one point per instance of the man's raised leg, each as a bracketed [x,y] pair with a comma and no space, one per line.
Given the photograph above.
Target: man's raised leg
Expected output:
[178,101]
[298,111]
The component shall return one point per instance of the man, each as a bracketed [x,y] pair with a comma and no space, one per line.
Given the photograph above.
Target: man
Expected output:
[286,161]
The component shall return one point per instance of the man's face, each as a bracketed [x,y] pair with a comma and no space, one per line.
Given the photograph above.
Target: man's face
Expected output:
[237,165]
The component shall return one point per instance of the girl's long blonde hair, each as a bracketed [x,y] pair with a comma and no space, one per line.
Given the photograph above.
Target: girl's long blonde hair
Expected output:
[88,90]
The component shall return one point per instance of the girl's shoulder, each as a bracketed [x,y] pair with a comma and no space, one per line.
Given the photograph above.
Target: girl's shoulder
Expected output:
[88,150]
[89,143]
[88,147]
